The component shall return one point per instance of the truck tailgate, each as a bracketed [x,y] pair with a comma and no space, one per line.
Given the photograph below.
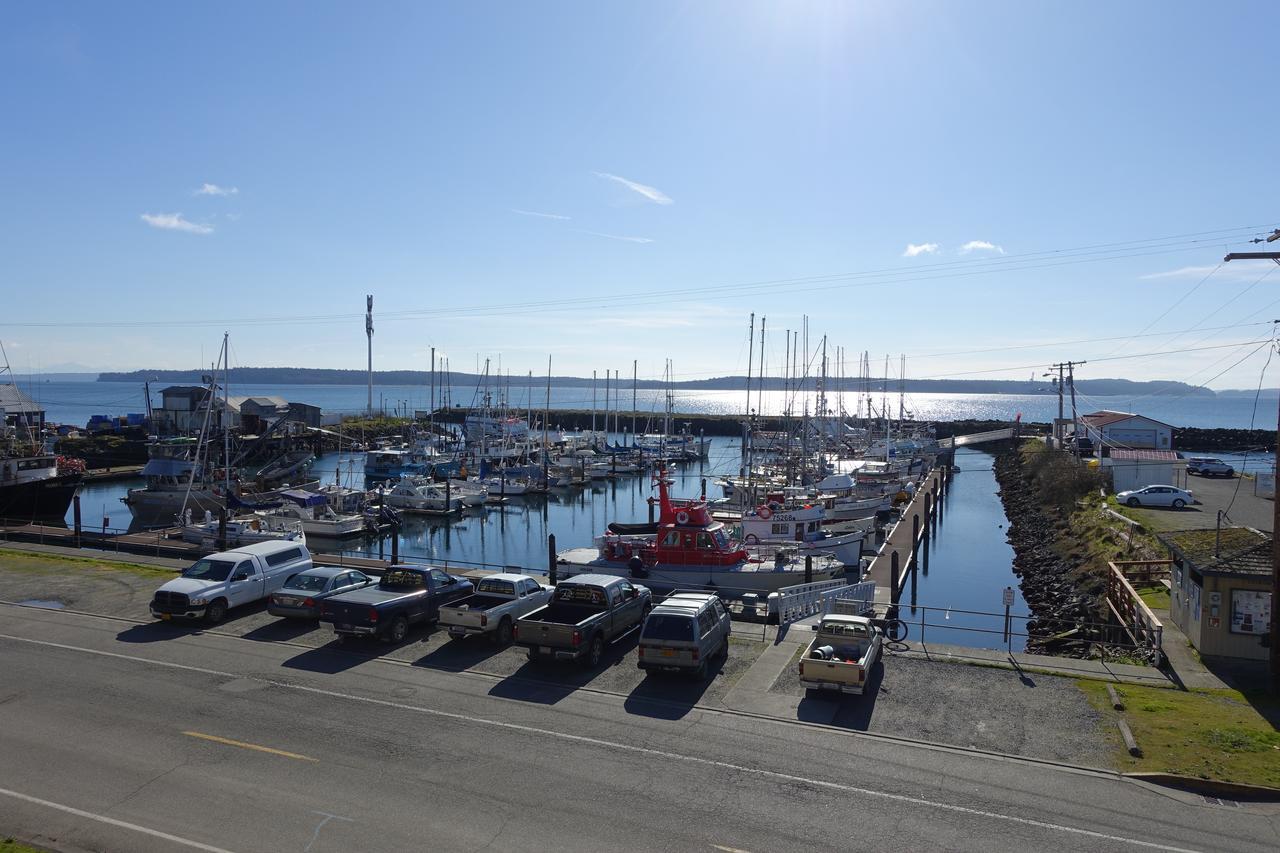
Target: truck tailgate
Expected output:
[550,635]
[346,613]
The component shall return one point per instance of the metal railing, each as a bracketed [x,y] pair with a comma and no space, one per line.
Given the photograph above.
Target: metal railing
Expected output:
[854,599]
[1103,640]
[792,603]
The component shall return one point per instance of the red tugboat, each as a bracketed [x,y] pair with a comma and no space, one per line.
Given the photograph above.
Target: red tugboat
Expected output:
[687,548]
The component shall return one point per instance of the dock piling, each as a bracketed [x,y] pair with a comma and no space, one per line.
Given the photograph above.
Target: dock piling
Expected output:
[551,559]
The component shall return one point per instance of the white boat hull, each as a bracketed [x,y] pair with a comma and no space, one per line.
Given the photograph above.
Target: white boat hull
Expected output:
[758,578]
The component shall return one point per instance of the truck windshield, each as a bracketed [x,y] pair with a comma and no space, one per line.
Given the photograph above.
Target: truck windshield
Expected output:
[402,580]
[210,570]
[496,587]
[661,627]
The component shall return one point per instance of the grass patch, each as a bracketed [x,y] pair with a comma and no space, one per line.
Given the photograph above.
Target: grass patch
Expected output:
[8,845]
[29,561]
[1208,734]
[1155,596]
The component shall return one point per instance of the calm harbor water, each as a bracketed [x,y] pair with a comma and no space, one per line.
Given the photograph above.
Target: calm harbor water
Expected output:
[967,565]
[75,402]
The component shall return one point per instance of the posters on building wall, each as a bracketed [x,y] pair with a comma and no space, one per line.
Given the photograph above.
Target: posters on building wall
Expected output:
[1250,611]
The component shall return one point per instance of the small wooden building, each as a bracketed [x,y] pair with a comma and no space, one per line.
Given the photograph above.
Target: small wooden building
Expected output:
[1220,592]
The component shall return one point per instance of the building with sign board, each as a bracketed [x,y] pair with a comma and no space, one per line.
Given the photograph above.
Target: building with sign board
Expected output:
[1220,590]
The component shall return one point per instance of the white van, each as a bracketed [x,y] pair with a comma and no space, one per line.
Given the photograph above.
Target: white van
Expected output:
[218,582]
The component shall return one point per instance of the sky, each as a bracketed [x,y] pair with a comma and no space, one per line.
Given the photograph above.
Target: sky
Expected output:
[985,187]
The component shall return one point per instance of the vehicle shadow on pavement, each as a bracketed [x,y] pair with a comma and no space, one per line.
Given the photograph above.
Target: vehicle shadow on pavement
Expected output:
[850,712]
[670,696]
[282,630]
[338,656]
[158,631]
[549,682]
[460,655]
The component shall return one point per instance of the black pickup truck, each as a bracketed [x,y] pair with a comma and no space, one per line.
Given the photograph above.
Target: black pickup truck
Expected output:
[406,595]
[586,613]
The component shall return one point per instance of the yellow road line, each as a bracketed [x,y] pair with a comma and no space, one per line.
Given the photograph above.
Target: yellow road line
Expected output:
[253,746]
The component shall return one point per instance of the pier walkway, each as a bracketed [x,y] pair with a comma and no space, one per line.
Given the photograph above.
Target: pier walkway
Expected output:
[976,438]
[893,562]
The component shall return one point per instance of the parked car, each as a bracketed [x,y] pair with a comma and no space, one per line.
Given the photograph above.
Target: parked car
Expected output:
[585,613]
[683,632]
[499,601]
[1082,443]
[1156,496]
[404,596]
[842,654]
[301,594]
[1207,466]
[215,584]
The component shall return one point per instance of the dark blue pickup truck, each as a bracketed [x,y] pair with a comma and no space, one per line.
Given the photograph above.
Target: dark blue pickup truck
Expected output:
[406,595]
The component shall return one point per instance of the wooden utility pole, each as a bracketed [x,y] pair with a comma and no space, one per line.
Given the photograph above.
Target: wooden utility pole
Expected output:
[1069,366]
[1274,637]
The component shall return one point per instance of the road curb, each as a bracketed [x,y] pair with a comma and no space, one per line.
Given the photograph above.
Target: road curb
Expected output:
[1209,787]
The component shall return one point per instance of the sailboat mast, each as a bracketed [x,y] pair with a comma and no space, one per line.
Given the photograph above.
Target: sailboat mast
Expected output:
[546,421]
[593,407]
[226,414]
[635,378]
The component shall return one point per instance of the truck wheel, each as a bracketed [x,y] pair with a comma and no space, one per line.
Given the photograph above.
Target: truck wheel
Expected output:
[397,631]
[503,635]
[595,652]
[217,612]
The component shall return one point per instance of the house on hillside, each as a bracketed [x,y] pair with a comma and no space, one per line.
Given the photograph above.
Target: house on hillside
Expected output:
[17,409]
[1126,431]
[1220,593]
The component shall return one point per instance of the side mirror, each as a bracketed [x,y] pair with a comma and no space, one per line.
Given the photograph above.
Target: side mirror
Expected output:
[814,627]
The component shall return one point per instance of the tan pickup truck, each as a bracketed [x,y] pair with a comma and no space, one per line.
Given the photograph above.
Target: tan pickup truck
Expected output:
[843,651]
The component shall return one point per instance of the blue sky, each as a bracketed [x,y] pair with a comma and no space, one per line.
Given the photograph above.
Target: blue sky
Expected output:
[676,153]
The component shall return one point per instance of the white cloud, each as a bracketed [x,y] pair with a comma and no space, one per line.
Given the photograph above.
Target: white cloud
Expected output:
[616,237]
[214,189]
[1235,269]
[654,194]
[914,249]
[981,246]
[175,222]
[536,213]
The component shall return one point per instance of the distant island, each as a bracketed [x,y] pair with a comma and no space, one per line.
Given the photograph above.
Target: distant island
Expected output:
[318,376]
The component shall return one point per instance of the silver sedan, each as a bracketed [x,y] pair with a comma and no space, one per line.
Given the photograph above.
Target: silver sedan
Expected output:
[1157,496]
[301,594]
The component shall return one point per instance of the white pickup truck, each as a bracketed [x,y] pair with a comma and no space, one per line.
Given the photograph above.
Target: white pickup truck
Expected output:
[499,601]
[214,584]
[842,653]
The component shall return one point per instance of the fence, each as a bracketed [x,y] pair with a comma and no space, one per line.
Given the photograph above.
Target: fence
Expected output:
[1101,639]
[1133,614]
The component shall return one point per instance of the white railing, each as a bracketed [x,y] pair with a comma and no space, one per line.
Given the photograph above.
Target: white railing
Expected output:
[792,603]
[853,600]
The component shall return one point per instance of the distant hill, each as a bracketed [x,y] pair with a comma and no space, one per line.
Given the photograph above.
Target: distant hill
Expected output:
[317,376]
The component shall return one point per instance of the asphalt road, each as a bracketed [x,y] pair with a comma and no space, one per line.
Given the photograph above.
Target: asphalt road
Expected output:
[116,736]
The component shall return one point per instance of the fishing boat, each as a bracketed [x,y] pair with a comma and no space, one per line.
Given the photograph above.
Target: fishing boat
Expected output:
[287,466]
[419,494]
[687,547]
[390,463]
[800,527]
[175,480]
[317,515]
[37,487]
[242,530]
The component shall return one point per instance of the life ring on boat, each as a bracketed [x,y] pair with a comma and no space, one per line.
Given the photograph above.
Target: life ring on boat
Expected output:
[682,517]
[750,539]
[764,512]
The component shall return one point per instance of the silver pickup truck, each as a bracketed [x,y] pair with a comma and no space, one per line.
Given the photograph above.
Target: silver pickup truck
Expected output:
[585,614]
[499,601]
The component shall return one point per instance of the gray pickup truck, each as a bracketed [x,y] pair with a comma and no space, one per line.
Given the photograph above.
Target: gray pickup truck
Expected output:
[585,613]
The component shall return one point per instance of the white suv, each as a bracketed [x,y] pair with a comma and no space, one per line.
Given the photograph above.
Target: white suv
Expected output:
[1207,466]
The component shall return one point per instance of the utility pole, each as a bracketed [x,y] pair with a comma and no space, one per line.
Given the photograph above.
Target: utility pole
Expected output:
[368,330]
[1069,367]
[1274,637]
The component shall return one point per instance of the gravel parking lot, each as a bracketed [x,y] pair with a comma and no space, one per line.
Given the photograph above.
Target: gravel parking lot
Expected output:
[126,594]
[986,708]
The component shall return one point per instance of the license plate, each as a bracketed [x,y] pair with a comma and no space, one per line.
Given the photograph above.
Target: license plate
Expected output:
[668,653]
[165,617]
[546,650]
[344,627]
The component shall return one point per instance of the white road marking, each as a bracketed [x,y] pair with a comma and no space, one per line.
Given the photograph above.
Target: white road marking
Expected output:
[625,747]
[327,817]
[155,833]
